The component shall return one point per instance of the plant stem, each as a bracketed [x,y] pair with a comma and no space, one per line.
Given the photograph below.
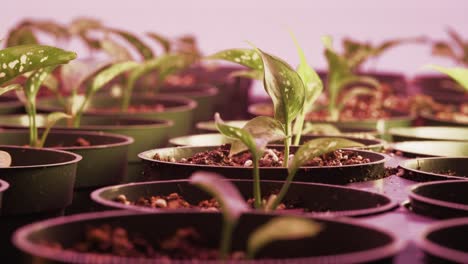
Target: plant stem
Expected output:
[287,144]
[300,126]
[79,113]
[283,191]
[32,124]
[226,239]
[257,191]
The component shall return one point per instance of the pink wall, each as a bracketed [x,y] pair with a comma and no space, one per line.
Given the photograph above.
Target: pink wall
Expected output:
[225,24]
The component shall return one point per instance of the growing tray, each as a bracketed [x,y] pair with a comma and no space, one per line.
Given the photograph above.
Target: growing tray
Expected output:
[429,133]
[433,169]
[412,149]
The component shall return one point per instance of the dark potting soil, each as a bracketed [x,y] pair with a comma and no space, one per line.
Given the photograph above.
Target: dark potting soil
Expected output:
[271,158]
[177,201]
[184,244]
[133,109]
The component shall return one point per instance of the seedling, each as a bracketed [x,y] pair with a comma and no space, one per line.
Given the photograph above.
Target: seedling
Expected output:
[39,61]
[455,49]
[233,206]
[24,32]
[340,75]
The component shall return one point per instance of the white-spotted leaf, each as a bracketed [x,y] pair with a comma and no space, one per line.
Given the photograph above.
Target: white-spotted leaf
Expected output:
[247,57]
[11,87]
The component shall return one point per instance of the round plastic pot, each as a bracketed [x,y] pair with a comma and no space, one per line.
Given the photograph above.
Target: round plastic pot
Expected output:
[434,148]
[441,88]
[440,199]
[429,133]
[341,241]
[3,187]
[431,169]
[445,241]
[177,109]
[10,105]
[202,140]
[145,132]
[104,161]
[314,198]
[431,120]
[164,170]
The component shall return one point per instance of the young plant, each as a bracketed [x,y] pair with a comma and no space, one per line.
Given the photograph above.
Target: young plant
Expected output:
[25,32]
[458,74]
[41,61]
[233,206]
[340,75]
[455,49]
[254,136]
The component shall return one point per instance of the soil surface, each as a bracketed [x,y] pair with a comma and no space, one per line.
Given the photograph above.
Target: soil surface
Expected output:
[133,109]
[271,158]
[184,244]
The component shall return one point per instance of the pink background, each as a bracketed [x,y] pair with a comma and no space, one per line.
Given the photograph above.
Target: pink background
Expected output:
[226,24]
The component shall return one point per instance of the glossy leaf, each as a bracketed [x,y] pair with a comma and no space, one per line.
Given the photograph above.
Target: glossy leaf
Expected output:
[34,82]
[75,73]
[460,75]
[5,159]
[11,87]
[263,129]
[17,60]
[231,201]
[164,42]
[139,45]
[281,228]
[284,86]
[247,57]
[317,147]
[51,120]
[320,128]
[106,75]
[250,74]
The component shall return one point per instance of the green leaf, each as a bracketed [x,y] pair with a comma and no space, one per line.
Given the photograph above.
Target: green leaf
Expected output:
[312,82]
[139,45]
[105,76]
[34,82]
[355,91]
[115,50]
[74,74]
[5,159]
[281,228]
[240,134]
[17,60]
[317,147]
[231,201]
[247,57]
[10,87]
[320,129]
[284,86]
[263,129]
[51,120]
[251,74]
[21,36]
[165,43]
[460,75]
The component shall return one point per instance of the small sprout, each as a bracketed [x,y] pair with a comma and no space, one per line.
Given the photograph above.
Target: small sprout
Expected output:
[5,159]
[281,228]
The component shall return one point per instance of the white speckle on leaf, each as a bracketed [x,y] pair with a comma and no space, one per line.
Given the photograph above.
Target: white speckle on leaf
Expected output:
[2,74]
[29,53]
[21,68]
[44,59]
[23,59]
[41,51]
[13,64]
[4,66]
[237,60]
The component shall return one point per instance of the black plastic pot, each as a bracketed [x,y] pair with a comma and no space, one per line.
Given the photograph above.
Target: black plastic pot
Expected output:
[163,170]
[3,187]
[178,109]
[434,148]
[340,241]
[41,185]
[441,88]
[445,241]
[10,105]
[429,133]
[394,79]
[316,199]
[431,169]
[145,133]
[104,162]
[202,140]
[440,199]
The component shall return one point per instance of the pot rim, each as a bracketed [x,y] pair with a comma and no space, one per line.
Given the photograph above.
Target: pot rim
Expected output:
[430,116]
[187,104]
[76,157]
[20,240]
[414,196]
[395,145]
[438,250]
[401,116]
[377,142]
[404,166]
[123,140]
[400,131]
[3,186]
[95,195]
[197,90]
[144,156]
